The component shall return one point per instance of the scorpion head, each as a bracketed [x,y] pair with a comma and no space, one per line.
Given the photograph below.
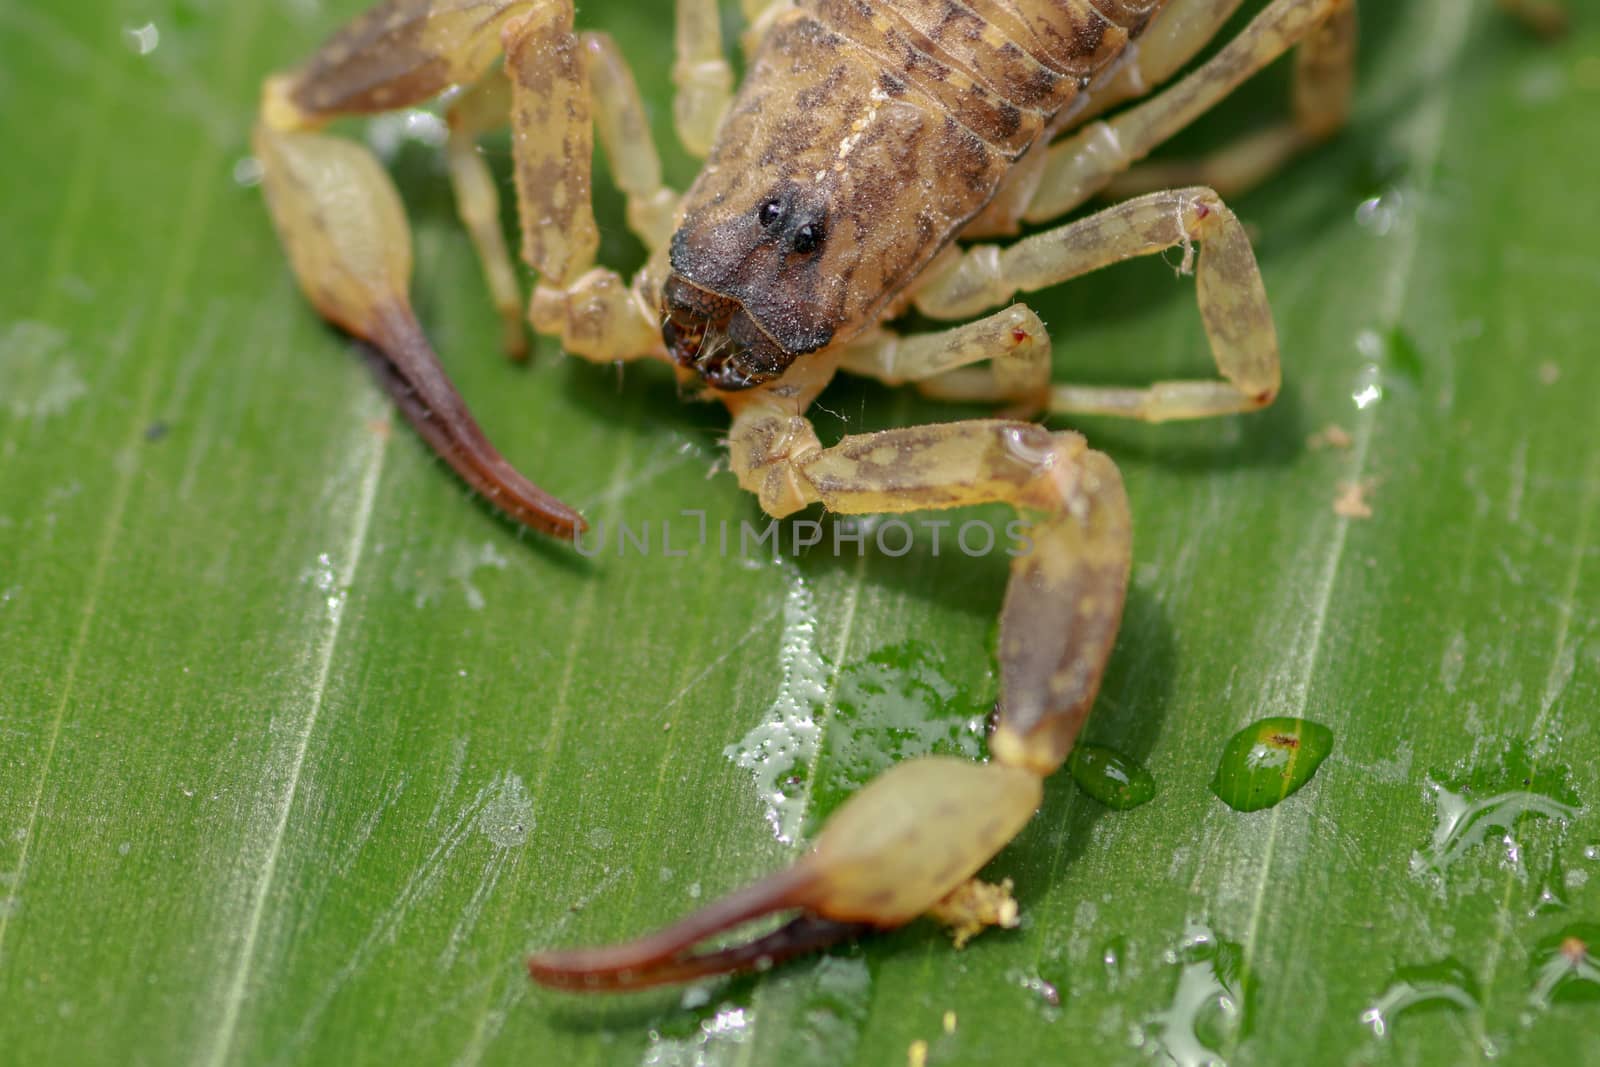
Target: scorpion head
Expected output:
[734,305]
[829,187]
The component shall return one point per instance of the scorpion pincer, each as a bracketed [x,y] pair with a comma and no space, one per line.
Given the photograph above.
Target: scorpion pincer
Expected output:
[870,148]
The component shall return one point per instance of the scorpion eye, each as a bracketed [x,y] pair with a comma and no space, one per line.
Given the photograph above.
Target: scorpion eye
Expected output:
[771,213]
[808,238]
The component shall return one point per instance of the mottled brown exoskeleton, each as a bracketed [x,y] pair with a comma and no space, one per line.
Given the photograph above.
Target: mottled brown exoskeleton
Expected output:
[872,142]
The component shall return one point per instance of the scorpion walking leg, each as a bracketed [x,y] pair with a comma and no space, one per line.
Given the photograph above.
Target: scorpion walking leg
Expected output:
[1084,164]
[624,133]
[1324,84]
[1014,341]
[924,828]
[1233,301]
[479,110]
[702,75]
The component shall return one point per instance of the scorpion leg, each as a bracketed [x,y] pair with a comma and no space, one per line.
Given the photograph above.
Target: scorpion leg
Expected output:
[702,75]
[1080,166]
[940,364]
[921,831]
[652,208]
[481,109]
[1324,84]
[1233,301]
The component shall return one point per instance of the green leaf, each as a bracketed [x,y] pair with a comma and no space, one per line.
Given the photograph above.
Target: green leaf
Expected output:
[301,749]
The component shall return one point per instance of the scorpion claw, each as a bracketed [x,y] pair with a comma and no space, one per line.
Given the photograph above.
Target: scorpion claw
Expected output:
[893,852]
[668,955]
[643,963]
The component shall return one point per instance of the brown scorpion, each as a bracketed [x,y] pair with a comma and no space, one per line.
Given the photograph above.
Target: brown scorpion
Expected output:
[871,143]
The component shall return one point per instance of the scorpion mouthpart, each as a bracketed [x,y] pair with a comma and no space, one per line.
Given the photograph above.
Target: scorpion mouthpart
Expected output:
[668,956]
[405,364]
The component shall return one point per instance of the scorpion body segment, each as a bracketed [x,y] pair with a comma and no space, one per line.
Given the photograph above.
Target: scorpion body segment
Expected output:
[868,137]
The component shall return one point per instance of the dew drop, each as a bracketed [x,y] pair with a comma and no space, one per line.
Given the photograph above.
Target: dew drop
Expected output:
[1115,780]
[1269,760]
[1445,985]
[1565,967]
[1209,1007]
[1486,805]
[142,40]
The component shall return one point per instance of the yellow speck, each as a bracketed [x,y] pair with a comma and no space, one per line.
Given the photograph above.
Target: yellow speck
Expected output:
[949,1022]
[917,1054]
[1330,436]
[1351,503]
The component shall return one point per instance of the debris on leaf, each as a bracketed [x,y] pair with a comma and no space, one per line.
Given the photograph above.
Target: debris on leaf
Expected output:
[975,905]
[1351,502]
[1330,436]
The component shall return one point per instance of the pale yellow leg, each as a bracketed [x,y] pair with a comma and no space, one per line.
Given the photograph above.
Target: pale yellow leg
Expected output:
[594,312]
[1083,164]
[624,131]
[480,109]
[1068,582]
[759,15]
[1014,343]
[703,78]
[1324,85]
[1177,35]
[1232,299]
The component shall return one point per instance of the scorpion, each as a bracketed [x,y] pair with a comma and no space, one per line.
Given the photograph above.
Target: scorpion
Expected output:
[871,148]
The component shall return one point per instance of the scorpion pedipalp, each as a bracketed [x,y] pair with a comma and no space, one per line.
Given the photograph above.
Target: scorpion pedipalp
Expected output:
[894,850]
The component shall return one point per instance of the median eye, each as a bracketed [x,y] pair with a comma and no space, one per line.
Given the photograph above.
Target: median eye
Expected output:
[771,213]
[808,238]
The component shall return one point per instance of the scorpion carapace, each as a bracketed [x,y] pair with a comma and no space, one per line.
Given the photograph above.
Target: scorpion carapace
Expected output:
[865,137]
[868,137]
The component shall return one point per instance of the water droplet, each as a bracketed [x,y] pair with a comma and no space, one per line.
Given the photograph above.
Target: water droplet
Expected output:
[1565,968]
[1552,892]
[779,750]
[389,133]
[1382,213]
[247,172]
[1114,955]
[1209,1008]
[1115,780]
[1047,992]
[896,704]
[507,817]
[1269,760]
[712,1040]
[1445,985]
[142,40]
[1491,802]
